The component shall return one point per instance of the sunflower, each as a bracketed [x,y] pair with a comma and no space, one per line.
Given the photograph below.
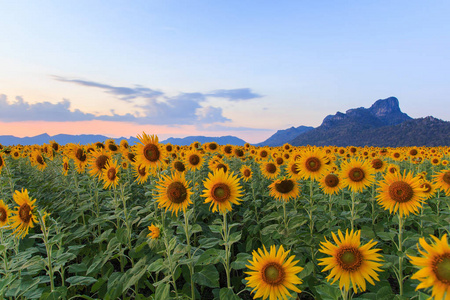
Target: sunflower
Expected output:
[271,275]
[246,172]
[292,170]
[392,168]
[400,193]
[222,189]
[194,160]
[2,161]
[110,145]
[109,174]
[284,189]
[442,181]
[155,232]
[65,166]
[173,193]
[356,174]
[239,152]
[16,154]
[37,159]
[269,169]
[350,262]
[428,188]
[312,164]
[178,165]
[218,164]
[23,219]
[140,172]
[4,214]
[97,162]
[227,150]
[378,164]
[434,267]
[77,153]
[149,152]
[263,153]
[330,184]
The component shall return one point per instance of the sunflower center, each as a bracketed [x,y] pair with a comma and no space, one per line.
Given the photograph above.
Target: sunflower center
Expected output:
[279,161]
[40,159]
[313,164]
[247,173]
[194,159]
[349,258]
[446,177]
[331,180]
[377,164]
[426,186]
[100,162]
[142,171]
[131,156]
[1,161]
[222,166]
[80,155]
[273,274]
[111,174]
[151,152]
[179,166]
[227,149]
[285,186]
[176,192]
[263,153]
[220,192]
[413,152]
[25,213]
[239,152]
[441,268]
[169,148]
[294,169]
[356,174]
[271,168]
[400,191]
[66,166]
[2,215]
[212,146]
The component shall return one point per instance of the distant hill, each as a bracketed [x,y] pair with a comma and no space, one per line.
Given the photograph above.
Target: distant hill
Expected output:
[223,140]
[284,136]
[383,125]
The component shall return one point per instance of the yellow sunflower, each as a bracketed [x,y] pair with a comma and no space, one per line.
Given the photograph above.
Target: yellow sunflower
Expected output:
[378,165]
[149,152]
[330,184]
[2,161]
[178,165]
[193,160]
[246,172]
[155,232]
[269,169]
[141,173]
[272,274]
[349,261]
[65,166]
[4,214]
[442,181]
[173,193]
[292,169]
[97,162]
[221,190]
[284,189]
[356,174]
[77,153]
[428,188]
[109,174]
[23,218]
[312,164]
[37,159]
[434,267]
[401,193]
[16,154]
[393,168]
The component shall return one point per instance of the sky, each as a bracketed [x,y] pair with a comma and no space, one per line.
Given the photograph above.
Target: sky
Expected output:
[215,68]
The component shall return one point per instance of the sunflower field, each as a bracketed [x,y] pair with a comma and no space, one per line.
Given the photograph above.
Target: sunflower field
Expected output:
[205,221]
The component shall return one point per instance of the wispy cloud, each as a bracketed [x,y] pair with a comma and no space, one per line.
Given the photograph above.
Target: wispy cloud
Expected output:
[235,94]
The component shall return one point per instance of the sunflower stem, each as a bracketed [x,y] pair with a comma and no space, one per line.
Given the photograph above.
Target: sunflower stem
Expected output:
[227,249]
[352,217]
[400,259]
[48,248]
[188,242]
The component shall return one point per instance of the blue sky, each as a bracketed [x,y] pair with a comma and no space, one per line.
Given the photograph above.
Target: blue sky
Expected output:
[245,68]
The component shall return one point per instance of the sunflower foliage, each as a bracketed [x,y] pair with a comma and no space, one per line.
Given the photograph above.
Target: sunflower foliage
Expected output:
[101,235]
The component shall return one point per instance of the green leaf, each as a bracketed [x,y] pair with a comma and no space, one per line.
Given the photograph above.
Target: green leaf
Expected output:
[162,291]
[234,237]
[208,276]
[210,256]
[242,259]
[329,292]
[227,294]
[208,242]
[81,280]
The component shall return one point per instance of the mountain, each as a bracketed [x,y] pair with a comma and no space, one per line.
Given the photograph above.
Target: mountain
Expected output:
[223,140]
[383,125]
[284,136]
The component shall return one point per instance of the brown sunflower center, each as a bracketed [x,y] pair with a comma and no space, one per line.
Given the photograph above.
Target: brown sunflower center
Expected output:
[377,164]
[111,174]
[1,161]
[349,258]
[426,187]
[16,154]
[313,164]
[212,146]
[142,171]
[40,159]
[413,152]
[220,192]
[331,180]
[179,166]
[227,149]
[271,168]
[239,152]
[80,155]
[222,166]
[100,162]
[284,186]
[176,192]
[194,159]
[247,173]
[356,174]
[25,213]
[273,274]
[441,268]
[131,157]
[151,152]
[66,166]
[400,191]
[2,215]
[169,148]
[446,177]
[279,161]
[112,147]
[263,153]
[294,169]
[392,170]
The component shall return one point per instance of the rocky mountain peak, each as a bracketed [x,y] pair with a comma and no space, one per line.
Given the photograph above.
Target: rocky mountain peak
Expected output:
[384,107]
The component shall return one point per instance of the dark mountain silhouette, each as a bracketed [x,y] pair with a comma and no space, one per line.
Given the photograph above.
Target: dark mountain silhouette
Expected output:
[285,135]
[383,125]
[223,140]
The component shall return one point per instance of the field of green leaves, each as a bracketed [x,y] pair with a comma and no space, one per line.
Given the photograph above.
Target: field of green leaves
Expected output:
[156,221]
